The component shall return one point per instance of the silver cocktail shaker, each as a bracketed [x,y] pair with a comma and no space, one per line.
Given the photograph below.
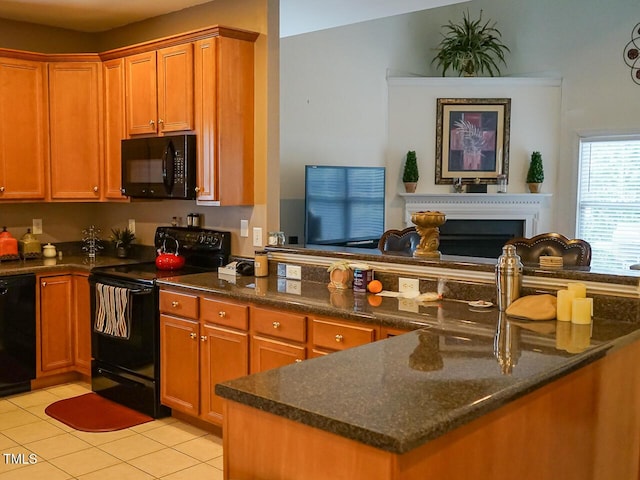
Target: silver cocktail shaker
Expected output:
[508,277]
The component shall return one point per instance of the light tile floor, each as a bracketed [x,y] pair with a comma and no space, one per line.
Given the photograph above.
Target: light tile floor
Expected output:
[35,446]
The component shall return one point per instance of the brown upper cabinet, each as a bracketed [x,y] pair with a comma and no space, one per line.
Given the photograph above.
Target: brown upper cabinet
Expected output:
[63,116]
[75,123]
[24,129]
[159,86]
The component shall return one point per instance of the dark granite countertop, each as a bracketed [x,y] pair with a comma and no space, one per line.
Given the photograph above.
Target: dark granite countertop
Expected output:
[400,393]
[457,364]
[46,265]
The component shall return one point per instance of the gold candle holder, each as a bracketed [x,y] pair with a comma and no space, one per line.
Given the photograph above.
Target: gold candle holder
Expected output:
[427,224]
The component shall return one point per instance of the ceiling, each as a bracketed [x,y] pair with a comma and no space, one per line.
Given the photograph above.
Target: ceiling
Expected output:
[296,16]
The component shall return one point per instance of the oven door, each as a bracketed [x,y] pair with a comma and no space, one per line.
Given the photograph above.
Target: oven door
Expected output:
[137,355]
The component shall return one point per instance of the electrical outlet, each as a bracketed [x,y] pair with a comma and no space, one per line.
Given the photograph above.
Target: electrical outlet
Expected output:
[36,227]
[294,272]
[132,225]
[244,228]
[293,287]
[408,285]
[257,237]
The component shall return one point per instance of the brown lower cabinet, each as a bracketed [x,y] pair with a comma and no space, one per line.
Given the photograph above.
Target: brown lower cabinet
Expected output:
[196,353]
[64,324]
[207,339]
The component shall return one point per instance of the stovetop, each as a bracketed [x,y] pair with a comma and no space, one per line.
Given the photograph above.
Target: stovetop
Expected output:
[203,249]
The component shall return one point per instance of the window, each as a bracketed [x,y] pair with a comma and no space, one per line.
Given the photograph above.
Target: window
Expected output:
[609,200]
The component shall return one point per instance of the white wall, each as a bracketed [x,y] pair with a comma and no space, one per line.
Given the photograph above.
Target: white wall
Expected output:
[334,95]
[534,125]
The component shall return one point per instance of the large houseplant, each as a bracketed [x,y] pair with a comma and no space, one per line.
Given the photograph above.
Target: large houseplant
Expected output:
[535,175]
[410,175]
[471,47]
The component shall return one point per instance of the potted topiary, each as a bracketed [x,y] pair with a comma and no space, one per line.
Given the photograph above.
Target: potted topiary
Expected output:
[471,47]
[410,175]
[535,175]
[122,240]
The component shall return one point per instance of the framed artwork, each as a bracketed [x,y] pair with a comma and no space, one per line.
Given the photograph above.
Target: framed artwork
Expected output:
[472,139]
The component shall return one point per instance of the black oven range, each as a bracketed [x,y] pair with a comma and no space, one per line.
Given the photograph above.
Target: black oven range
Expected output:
[125,339]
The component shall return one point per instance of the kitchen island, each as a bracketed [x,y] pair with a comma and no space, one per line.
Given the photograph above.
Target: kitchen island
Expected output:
[467,392]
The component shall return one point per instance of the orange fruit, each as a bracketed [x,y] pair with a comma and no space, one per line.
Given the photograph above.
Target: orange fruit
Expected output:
[374,300]
[375,286]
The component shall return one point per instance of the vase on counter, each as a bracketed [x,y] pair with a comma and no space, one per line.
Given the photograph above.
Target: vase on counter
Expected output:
[122,252]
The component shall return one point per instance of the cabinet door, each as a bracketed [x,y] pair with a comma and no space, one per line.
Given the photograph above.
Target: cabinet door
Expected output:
[114,126]
[224,120]
[75,112]
[141,100]
[267,354]
[56,323]
[82,323]
[179,364]
[175,88]
[24,130]
[224,356]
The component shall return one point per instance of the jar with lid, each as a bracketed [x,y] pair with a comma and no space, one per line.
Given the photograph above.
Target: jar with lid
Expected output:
[261,263]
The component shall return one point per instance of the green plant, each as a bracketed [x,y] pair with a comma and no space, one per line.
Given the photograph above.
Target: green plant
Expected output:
[471,47]
[536,172]
[410,168]
[122,237]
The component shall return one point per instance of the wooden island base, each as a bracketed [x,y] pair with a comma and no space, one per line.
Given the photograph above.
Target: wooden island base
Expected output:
[583,426]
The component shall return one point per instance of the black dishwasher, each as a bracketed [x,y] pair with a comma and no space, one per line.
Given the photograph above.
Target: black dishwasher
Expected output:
[17,333]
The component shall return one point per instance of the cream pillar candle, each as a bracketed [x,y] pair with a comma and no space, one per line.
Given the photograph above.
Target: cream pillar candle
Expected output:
[581,311]
[563,305]
[579,289]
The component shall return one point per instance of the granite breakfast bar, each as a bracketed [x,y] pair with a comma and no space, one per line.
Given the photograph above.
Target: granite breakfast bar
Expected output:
[465,393]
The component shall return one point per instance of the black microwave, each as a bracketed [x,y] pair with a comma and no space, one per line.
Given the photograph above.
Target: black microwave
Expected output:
[159,167]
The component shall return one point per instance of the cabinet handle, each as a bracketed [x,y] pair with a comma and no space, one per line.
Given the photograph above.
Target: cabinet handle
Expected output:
[95,188]
[276,324]
[193,335]
[1,189]
[197,189]
[203,338]
[152,123]
[160,122]
[44,284]
[339,338]
[222,314]
[175,304]
[298,360]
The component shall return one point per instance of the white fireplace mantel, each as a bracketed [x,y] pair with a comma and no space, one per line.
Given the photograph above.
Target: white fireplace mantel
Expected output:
[480,206]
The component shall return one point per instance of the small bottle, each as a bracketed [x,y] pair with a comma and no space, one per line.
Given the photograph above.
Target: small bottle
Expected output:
[261,263]
[508,277]
[502,183]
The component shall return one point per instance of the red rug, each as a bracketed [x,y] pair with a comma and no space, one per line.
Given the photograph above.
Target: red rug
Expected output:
[92,413]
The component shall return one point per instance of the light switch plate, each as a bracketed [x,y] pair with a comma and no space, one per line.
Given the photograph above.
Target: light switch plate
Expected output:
[257,237]
[132,225]
[36,227]
[244,228]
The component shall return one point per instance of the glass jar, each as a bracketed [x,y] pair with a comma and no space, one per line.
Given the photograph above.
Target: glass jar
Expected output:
[276,239]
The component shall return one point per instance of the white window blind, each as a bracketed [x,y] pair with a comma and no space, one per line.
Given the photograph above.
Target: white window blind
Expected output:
[609,200]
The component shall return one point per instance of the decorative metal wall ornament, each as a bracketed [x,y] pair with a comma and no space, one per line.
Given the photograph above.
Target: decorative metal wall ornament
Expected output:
[632,54]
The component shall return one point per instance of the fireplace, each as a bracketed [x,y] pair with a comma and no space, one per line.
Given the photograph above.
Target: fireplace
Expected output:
[478,224]
[478,238]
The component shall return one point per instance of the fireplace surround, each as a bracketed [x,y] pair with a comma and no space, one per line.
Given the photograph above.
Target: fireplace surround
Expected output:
[478,224]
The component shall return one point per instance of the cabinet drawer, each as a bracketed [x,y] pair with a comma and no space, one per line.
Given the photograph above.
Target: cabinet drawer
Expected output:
[340,336]
[180,304]
[275,323]
[229,314]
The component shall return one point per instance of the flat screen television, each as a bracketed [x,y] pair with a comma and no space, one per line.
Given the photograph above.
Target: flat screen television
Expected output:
[344,205]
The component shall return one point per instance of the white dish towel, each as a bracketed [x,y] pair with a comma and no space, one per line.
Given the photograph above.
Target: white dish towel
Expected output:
[113,313]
